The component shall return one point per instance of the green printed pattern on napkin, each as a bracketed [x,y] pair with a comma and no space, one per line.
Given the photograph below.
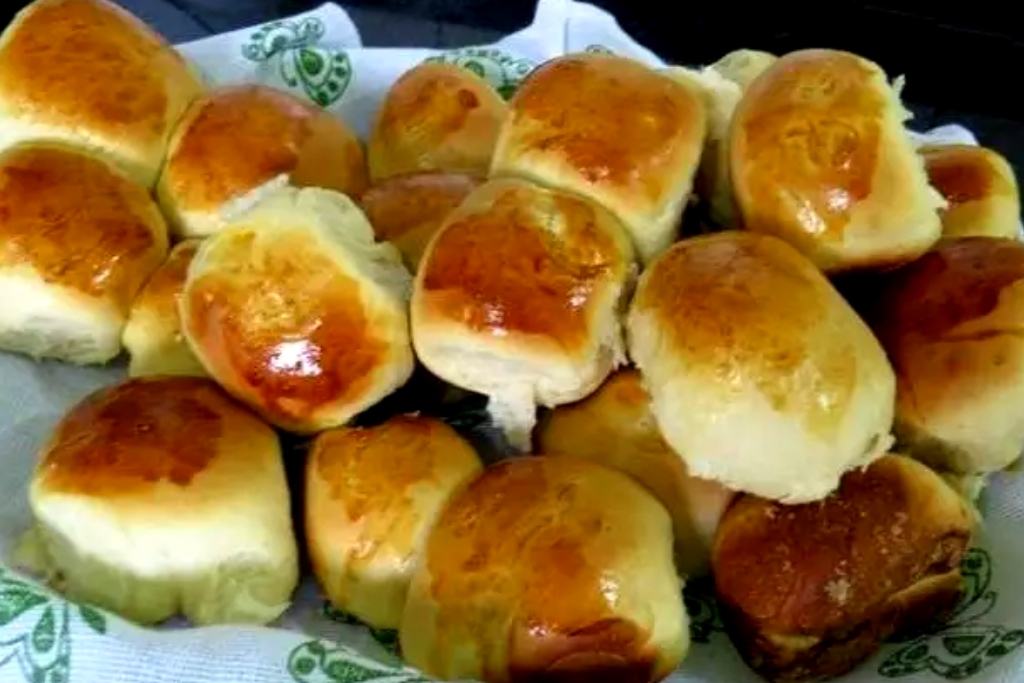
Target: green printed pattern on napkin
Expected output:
[321,74]
[497,67]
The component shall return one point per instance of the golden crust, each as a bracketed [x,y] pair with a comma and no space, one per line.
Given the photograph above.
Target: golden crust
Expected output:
[436,117]
[811,590]
[980,188]
[78,224]
[614,427]
[238,138]
[611,129]
[125,440]
[281,325]
[819,158]
[159,296]
[90,72]
[407,210]
[521,260]
[530,574]
[372,495]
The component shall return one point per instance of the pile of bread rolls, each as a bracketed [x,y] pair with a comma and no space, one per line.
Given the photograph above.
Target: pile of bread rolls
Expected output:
[800,402]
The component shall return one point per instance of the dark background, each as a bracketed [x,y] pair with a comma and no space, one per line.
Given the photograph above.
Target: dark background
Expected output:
[961,60]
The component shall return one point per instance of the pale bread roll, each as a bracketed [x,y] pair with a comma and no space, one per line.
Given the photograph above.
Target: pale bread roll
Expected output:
[298,312]
[152,335]
[744,65]
[547,569]
[436,117]
[88,73]
[614,427]
[77,242]
[980,189]
[952,325]
[161,496]
[518,297]
[819,156]
[808,592]
[761,376]
[613,130]
[238,143]
[372,496]
[407,210]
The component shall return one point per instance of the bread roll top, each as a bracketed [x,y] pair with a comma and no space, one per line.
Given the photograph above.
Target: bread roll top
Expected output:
[820,157]
[235,140]
[980,189]
[436,117]
[89,73]
[407,210]
[76,223]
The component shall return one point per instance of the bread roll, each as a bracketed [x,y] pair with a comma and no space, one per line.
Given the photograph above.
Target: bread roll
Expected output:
[614,427]
[547,569]
[951,323]
[820,158]
[407,210]
[297,312]
[77,241]
[980,189]
[88,73]
[436,117]
[152,336]
[807,592]
[372,495]
[761,376]
[238,143]
[743,66]
[518,298]
[161,496]
[613,130]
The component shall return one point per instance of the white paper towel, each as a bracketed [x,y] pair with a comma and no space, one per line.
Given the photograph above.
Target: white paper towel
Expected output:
[319,55]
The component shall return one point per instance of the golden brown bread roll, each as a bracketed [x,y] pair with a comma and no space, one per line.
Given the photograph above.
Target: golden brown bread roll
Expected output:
[952,325]
[809,591]
[88,73]
[613,130]
[407,210]
[518,298]
[298,312]
[819,157]
[614,427]
[980,188]
[77,241]
[761,376]
[547,569]
[372,495]
[436,117]
[237,143]
[152,335]
[161,496]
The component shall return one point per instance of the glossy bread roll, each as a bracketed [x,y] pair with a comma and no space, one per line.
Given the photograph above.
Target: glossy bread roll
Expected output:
[78,241]
[951,323]
[614,427]
[547,569]
[297,312]
[761,376]
[152,335]
[518,298]
[436,117]
[372,495]
[820,157]
[88,73]
[810,591]
[239,143]
[980,188]
[161,496]
[613,130]
[407,210]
